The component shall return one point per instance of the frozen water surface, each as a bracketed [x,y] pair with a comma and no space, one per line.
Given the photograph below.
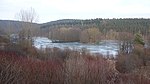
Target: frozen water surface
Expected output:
[105,47]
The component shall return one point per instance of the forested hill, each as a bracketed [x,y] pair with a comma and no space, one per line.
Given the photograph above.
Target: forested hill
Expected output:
[6,25]
[70,23]
[11,26]
[129,24]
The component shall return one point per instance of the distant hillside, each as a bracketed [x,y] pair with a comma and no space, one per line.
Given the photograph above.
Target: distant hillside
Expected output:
[131,25]
[13,26]
[128,25]
[70,23]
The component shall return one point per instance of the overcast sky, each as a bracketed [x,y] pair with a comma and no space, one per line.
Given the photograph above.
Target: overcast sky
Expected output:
[50,10]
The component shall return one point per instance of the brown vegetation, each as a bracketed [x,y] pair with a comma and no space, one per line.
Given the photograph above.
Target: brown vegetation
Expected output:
[65,34]
[71,67]
[23,64]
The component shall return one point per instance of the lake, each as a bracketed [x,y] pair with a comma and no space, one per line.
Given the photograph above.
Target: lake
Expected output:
[105,47]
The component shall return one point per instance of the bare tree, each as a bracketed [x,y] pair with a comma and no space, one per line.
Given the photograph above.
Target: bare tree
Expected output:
[28,17]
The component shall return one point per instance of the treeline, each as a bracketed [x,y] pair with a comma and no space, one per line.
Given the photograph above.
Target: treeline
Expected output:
[75,34]
[119,25]
[89,35]
[86,31]
[100,28]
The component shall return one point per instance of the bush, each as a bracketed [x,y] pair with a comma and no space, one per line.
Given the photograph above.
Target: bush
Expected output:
[89,70]
[128,63]
[76,68]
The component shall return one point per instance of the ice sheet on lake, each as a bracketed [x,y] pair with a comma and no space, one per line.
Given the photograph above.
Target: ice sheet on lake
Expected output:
[105,47]
[41,42]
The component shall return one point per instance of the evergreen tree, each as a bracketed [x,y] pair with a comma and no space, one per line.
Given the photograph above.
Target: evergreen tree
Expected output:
[139,39]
